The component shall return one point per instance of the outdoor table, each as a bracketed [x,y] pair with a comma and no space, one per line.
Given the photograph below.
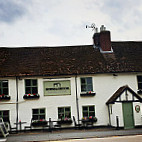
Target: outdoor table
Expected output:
[85,123]
[20,124]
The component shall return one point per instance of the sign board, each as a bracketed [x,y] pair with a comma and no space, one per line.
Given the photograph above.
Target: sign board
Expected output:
[3,128]
[57,87]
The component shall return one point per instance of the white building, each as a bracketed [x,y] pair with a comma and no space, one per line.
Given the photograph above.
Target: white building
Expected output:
[103,80]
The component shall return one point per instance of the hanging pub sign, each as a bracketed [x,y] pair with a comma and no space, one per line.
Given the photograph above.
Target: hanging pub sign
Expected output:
[137,108]
[57,87]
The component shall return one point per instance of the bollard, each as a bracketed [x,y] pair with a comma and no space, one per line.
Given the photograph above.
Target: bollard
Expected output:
[117,123]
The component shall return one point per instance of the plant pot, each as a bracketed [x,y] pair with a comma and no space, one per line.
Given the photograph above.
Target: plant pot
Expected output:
[87,94]
[26,96]
[5,97]
[39,123]
[66,122]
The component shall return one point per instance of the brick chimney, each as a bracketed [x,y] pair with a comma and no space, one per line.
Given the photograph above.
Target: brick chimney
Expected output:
[103,40]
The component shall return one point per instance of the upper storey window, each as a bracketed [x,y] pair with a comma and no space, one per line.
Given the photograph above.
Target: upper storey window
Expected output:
[31,86]
[86,84]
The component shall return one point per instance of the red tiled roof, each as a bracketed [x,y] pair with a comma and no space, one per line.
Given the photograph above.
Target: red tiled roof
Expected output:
[70,60]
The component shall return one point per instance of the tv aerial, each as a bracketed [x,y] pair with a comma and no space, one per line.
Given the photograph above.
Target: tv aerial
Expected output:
[93,27]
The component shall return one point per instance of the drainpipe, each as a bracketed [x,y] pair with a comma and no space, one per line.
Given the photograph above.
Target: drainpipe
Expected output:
[77,104]
[17,107]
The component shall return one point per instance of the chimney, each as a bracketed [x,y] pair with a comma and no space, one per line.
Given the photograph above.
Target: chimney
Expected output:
[103,40]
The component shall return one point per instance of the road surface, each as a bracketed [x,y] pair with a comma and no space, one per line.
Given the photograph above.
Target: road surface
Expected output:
[136,138]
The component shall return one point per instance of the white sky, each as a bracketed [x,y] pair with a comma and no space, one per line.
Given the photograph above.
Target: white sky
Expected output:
[62,22]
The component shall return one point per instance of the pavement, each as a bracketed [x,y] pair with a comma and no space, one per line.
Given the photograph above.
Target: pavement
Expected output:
[39,136]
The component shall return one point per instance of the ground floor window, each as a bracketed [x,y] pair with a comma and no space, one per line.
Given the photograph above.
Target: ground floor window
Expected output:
[64,112]
[5,115]
[38,114]
[88,111]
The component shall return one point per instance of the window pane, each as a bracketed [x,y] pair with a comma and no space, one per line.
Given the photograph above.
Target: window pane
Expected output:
[35,117]
[35,111]
[0,91]
[5,115]
[85,108]
[60,110]
[5,91]
[60,116]
[34,82]
[68,115]
[139,78]
[89,80]
[91,108]
[67,109]
[140,86]
[28,82]
[5,84]
[83,81]
[42,117]
[28,90]
[85,114]
[83,87]
[89,88]
[91,114]
[34,90]
[42,110]
[5,112]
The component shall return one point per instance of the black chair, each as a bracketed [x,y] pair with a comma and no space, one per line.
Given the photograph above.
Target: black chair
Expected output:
[76,125]
[12,129]
[28,127]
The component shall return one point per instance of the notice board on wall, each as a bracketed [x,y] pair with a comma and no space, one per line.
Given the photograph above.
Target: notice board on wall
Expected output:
[57,87]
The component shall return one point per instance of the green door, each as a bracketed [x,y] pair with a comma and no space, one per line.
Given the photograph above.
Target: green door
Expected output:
[128,115]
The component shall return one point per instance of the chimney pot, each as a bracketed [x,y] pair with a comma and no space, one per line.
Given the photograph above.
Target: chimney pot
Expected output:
[103,39]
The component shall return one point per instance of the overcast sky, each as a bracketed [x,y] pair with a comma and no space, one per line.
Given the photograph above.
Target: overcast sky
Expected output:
[62,22]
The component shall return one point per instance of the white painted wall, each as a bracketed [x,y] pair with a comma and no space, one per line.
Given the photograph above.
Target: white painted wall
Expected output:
[104,85]
[117,112]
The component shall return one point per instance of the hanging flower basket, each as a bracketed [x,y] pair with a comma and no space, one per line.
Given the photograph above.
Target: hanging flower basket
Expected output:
[4,97]
[39,123]
[31,96]
[88,94]
[66,121]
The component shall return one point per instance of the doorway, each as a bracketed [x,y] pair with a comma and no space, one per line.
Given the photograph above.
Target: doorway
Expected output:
[128,115]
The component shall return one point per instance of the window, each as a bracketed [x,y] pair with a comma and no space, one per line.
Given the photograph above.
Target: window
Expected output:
[86,84]
[31,86]
[5,115]
[64,112]
[4,87]
[139,78]
[88,111]
[38,114]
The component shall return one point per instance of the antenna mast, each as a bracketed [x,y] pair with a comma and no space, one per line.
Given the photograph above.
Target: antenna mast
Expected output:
[93,27]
